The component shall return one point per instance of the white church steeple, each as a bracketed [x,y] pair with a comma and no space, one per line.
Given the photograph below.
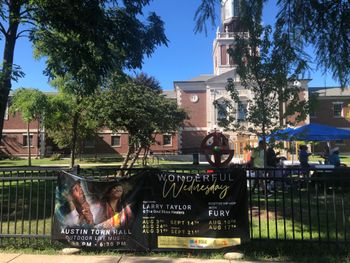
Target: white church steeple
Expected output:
[225,36]
[229,10]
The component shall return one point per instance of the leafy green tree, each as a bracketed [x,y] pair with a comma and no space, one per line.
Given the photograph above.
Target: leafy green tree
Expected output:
[267,67]
[323,24]
[89,40]
[58,125]
[139,110]
[31,104]
[12,15]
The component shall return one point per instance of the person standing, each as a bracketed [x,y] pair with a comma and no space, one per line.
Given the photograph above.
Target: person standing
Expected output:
[258,161]
[258,156]
[304,157]
[271,157]
[334,157]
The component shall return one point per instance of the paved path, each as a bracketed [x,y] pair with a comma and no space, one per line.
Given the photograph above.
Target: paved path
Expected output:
[28,258]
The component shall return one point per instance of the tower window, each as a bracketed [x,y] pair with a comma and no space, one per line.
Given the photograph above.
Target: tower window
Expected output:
[223,55]
[236,8]
[231,60]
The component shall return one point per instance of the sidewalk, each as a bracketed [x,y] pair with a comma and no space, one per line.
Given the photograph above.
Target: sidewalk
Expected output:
[28,258]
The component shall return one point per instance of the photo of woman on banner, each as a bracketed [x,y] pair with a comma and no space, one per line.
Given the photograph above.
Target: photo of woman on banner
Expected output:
[74,208]
[114,211]
[81,205]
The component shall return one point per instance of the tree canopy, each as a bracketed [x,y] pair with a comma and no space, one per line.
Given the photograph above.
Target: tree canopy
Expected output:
[139,109]
[31,104]
[82,40]
[323,24]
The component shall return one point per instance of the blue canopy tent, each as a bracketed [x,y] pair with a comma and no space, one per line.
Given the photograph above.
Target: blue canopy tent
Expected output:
[318,132]
[311,132]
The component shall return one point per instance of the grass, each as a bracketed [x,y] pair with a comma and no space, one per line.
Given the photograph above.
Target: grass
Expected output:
[345,159]
[85,162]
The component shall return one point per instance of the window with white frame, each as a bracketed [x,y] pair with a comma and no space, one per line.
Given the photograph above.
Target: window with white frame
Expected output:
[222,108]
[115,141]
[337,109]
[167,140]
[25,140]
[242,111]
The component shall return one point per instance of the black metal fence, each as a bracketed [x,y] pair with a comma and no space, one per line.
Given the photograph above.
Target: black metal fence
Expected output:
[296,204]
[284,204]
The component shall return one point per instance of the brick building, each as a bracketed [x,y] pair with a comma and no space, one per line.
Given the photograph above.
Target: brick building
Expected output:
[332,108]
[14,140]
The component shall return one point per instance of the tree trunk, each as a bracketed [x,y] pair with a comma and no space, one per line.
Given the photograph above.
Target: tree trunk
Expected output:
[125,162]
[7,63]
[29,146]
[135,157]
[38,140]
[281,112]
[144,159]
[74,139]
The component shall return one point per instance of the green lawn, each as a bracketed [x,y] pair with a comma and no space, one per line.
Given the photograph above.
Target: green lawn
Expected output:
[343,159]
[86,162]
[115,161]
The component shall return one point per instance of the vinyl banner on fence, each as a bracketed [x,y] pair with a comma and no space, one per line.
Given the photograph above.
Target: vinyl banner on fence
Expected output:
[153,210]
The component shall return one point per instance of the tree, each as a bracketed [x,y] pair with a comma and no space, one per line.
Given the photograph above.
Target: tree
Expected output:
[31,104]
[323,24]
[12,14]
[139,110]
[267,67]
[58,125]
[85,42]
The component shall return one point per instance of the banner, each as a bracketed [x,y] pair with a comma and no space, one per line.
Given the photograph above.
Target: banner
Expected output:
[153,210]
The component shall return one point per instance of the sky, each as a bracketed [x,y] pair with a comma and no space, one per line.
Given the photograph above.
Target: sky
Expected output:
[187,55]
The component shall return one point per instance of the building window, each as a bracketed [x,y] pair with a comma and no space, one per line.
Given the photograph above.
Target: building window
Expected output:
[236,8]
[223,55]
[230,58]
[25,141]
[222,110]
[167,140]
[242,111]
[337,109]
[115,141]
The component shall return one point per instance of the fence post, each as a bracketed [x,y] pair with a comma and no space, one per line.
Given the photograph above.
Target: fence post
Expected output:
[76,169]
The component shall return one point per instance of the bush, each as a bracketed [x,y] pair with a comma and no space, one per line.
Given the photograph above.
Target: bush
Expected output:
[56,157]
[14,158]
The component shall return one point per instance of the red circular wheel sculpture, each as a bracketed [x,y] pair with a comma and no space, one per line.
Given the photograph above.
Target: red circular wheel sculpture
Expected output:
[217,144]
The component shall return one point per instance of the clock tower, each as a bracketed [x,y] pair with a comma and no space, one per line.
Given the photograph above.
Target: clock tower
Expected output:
[231,25]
